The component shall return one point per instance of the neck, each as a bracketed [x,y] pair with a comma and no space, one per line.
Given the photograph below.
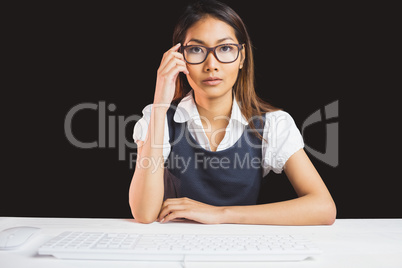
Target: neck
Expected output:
[214,108]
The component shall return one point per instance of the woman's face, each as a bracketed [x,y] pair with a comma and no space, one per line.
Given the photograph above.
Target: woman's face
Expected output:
[211,32]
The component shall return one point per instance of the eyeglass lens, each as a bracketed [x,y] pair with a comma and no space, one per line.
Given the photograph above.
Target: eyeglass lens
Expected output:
[225,53]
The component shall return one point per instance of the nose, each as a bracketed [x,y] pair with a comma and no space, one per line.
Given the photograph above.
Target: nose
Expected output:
[211,63]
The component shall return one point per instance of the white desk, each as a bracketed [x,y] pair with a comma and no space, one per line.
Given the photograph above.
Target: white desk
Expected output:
[347,243]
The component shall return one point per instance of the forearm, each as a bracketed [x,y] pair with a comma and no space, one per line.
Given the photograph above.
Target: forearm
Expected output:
[305,210]
[147,190]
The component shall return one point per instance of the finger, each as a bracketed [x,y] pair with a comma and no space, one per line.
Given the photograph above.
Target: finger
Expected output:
[171,65]
[165,204]
[168,57]
[172,201]
[173,204]
[175,47]
[176,200]
[174,72]
[174,215]
[181,200]
[169,209]
[177,55]
[173,54]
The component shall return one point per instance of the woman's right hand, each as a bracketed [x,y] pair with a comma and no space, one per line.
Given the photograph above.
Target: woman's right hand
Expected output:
[171,65]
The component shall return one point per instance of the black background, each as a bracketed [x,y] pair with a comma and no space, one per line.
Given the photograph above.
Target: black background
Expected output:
[306,55]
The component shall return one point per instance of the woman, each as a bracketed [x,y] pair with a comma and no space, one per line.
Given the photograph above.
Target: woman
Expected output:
[207,140]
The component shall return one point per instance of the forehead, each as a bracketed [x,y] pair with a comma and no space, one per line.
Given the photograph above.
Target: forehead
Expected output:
[209,30]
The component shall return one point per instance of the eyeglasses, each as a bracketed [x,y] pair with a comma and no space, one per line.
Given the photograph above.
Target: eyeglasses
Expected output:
[225,53]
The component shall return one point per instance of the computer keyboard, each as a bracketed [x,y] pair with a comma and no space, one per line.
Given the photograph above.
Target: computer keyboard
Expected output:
[178,247]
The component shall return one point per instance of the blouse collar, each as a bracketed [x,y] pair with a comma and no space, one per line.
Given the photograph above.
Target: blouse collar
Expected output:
[187,109]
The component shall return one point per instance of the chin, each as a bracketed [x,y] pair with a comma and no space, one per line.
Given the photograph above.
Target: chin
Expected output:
[213,92]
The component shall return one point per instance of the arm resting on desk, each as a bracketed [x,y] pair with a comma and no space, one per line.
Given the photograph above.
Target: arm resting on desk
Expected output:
[314,206]
[146,189]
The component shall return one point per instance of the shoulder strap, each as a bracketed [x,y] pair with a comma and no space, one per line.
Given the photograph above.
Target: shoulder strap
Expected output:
[170,114]
[259,123]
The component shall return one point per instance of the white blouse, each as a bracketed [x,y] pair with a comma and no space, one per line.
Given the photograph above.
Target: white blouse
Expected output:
[281,136]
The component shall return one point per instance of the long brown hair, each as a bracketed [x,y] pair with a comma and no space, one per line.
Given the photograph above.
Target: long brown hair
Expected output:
[250,104]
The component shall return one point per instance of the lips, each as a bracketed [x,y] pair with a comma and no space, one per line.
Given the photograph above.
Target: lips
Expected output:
[212,81]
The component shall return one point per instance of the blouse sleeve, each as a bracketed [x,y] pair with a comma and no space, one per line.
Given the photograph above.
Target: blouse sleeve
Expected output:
[141,129]
[282,139]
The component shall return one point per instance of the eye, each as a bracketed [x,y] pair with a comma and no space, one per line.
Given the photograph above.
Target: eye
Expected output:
[226,48]
[195,50]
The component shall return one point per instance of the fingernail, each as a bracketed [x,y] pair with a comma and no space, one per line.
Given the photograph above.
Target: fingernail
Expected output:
[178,44]
[162,220]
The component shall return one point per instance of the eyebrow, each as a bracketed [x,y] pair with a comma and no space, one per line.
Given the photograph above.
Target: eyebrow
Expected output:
[203,43]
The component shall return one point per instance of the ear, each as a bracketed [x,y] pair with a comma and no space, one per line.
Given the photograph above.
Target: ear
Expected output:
[242,56]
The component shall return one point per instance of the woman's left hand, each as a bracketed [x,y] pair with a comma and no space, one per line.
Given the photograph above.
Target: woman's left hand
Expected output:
[174,208]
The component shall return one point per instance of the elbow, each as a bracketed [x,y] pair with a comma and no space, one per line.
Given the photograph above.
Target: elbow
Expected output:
[328,213]
[141,216]
[145,220]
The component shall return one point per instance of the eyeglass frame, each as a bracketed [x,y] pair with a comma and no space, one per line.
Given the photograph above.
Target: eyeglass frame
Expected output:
[213,49]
